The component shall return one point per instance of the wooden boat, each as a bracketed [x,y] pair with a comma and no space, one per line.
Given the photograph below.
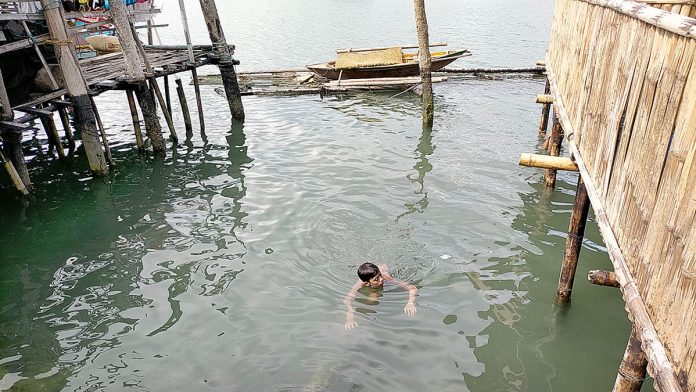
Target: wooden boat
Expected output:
[408,66]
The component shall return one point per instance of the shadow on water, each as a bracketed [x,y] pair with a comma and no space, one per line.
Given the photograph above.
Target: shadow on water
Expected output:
[59,310]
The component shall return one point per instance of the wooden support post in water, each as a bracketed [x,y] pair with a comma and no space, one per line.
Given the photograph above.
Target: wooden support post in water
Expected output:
[544,120]
[184,107]
[12,145]
[14,175]
[102,132]
[554,141]
[49,126]
[130,49]
[155,87]
[65,121]
[576,232]
[603,278]
[225,61]
[633,366]
[167,95]
[424,61]
[192,60]
[75,84]
[136,120]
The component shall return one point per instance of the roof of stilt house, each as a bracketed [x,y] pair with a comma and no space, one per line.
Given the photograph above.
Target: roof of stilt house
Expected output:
[623,76]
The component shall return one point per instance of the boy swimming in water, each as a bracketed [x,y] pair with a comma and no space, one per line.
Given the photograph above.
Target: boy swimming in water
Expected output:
[375,277]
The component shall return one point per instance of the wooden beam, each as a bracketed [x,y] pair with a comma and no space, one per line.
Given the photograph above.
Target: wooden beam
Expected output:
[547,162]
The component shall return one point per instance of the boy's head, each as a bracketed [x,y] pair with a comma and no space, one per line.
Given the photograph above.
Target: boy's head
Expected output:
[370,274]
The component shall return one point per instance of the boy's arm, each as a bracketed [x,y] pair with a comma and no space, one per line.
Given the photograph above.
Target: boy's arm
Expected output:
[410,308]
[348,301]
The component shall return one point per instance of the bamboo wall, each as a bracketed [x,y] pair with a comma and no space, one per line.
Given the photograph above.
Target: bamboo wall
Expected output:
[628,89]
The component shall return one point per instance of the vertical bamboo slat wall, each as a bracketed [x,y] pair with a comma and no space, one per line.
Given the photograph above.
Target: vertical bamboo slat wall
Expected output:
[628,91]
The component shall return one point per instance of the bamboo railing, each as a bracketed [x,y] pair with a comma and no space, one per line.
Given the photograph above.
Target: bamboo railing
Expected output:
[623,77]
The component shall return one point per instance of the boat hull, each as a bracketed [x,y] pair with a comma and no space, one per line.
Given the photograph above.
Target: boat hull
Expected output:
[383,71]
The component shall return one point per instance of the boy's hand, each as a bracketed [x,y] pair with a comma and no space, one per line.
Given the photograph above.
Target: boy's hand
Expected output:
[350,323]
[410,309]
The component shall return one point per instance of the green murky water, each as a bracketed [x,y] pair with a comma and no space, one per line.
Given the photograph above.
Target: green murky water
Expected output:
[222,267]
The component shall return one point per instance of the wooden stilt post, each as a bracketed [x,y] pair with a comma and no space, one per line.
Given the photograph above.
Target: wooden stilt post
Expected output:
[14,175]
[424,61]
[155,86]
[544,121]
[102,133]
[576,232]
[184,107]
[129,45]
[555,140]
[75,84]
[167,95]
[65,121]
[633,366]
[225,61]
[12,144]
[192,60]
[136,120]
[49,126]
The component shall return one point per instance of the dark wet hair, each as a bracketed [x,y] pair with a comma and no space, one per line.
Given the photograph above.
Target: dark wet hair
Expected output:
[367,271]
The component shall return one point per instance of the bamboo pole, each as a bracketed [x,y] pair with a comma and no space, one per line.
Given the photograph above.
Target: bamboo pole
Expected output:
[156,89]
[546,99]
[12,144]
[225,60]
[146,99]
[184,107]
[554,144]
[136,121]
[49,126]
[535,70]
[65,121]
[547,162]
[41,57]
[353,50]
[7,113]
[424,61]
[14,175]
[192,60]
[85,121]
[576,232]
[544,121]
[102,132]
[603,278]
[633,366]
[167,95]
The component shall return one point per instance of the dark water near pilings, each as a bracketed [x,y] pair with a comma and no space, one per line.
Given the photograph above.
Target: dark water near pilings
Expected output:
[222,267]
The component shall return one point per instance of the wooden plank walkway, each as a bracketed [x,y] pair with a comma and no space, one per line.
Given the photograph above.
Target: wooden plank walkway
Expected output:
[107,72]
